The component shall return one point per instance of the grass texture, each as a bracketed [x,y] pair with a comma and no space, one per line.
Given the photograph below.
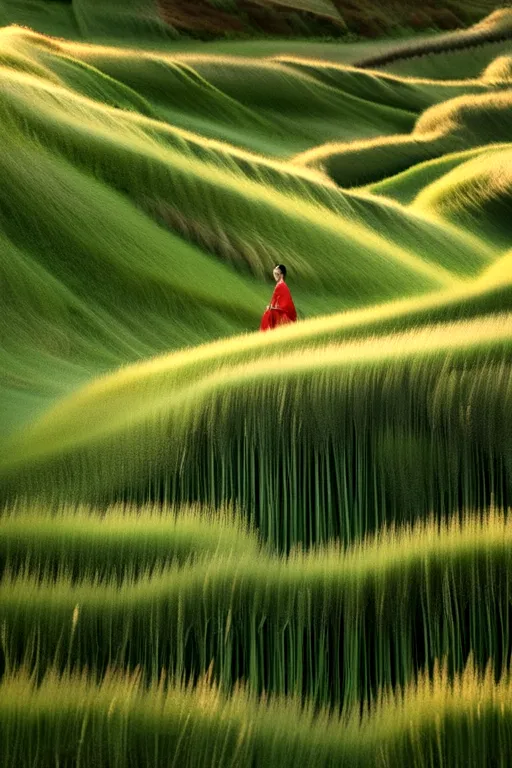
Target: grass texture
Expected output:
[115,541]
[340,464]
[221,547]
[184,178]
[300,625]
[467,721]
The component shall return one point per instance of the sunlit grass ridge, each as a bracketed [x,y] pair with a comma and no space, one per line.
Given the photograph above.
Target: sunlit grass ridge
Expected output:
[120,722]
[399,391]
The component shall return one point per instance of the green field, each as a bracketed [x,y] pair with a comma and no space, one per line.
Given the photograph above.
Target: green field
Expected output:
[226,548]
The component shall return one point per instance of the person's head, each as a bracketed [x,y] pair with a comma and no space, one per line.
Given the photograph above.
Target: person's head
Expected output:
[279,272]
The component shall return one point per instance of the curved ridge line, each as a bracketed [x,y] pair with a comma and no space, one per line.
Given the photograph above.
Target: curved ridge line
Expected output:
[444,46]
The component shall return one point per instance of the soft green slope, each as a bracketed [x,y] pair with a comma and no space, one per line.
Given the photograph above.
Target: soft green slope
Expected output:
[477,195]
[455,124]
[467,62]
[405,186]
[342,409]
[87,19]
[470,188]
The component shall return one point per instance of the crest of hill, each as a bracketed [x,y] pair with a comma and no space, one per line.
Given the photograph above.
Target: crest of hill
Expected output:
[458,124]
[499,71]
[476,195]
[406,186]
[495,27]
[499,19]
[113,435]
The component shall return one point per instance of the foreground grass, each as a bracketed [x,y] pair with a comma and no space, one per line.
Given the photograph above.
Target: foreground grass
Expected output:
[332,624]
[69,720]
[392,427]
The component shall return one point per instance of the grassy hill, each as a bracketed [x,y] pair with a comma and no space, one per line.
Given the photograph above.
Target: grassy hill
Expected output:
[209,19]
[222,547]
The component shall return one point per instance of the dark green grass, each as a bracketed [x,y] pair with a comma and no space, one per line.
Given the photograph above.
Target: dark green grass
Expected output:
[302,626]
[73,721]
[115,542]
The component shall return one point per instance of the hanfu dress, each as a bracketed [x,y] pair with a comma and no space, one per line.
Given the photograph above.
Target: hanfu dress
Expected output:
[282,309]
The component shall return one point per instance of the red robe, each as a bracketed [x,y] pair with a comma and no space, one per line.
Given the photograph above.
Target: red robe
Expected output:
[283,308]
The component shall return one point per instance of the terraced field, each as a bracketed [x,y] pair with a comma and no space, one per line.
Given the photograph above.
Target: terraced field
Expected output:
[226,548]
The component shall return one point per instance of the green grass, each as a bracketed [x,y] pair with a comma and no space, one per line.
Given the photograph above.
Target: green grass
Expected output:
[119,723]
[496,28]
[115,542]
[85,19]
[301,625]
[362,452]
[221,547]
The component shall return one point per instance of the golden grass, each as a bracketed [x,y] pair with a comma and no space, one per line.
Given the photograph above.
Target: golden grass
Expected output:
[225,554]
[442,120]
[459,113]
[124,530]
[426,702]
[499,19]
[500,272]
[471,185]
[498,71]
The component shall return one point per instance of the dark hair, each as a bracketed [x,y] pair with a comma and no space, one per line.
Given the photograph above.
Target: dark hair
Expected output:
[283,270]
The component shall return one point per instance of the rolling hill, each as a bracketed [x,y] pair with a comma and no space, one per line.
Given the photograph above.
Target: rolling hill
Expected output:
[220,547]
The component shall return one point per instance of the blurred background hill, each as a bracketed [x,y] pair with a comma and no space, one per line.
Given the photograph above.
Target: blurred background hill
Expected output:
[209,19]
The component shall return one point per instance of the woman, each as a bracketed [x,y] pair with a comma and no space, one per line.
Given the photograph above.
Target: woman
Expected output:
[281,309]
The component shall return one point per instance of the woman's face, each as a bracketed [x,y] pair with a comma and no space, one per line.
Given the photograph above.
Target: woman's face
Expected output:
[277,274]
